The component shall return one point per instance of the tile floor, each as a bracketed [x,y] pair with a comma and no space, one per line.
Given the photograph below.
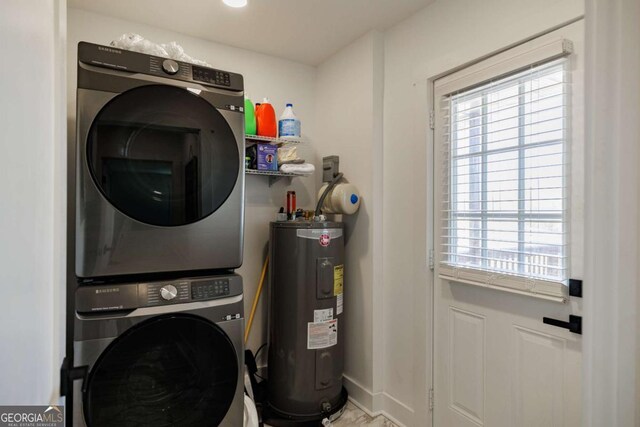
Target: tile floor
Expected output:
[354,416]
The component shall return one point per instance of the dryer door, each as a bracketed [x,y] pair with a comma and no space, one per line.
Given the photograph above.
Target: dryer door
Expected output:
[163,155]
[175,370]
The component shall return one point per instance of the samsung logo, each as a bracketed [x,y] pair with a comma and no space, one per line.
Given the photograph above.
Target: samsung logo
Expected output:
[108,49]
[107,291]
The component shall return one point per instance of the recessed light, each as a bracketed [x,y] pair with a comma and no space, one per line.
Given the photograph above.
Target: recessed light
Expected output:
[235,3]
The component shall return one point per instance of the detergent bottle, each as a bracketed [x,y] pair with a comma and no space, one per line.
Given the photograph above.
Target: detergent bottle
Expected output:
[249,117]
[266,119]
[289,125]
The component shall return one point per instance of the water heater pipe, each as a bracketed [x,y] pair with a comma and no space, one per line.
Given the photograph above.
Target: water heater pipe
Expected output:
[326,191]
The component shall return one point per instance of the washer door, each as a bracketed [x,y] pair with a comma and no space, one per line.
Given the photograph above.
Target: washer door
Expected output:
[176,370]
[163,155]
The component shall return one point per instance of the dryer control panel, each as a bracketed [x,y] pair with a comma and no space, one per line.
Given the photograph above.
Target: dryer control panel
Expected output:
[135,62]
[129,296]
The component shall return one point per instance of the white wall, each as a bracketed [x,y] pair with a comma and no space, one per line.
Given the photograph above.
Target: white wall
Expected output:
[31,214]
[443,36]
[280,80]
[612,287]
[349,123]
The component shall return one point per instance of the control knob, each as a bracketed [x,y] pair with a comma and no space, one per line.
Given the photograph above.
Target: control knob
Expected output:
[168,292]
[170,66]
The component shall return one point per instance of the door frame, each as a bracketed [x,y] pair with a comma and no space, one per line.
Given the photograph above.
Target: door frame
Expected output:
[611,391]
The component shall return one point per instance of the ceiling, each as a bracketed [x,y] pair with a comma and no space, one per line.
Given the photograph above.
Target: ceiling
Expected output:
[307,31]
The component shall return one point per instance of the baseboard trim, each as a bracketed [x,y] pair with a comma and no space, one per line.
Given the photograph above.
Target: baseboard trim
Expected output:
[398,412]
[362,397]
[381,403]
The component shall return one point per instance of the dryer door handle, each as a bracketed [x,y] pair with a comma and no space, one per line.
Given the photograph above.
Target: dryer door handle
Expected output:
[69,375]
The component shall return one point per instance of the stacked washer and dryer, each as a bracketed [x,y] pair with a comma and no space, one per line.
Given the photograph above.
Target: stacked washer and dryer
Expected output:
[156,214]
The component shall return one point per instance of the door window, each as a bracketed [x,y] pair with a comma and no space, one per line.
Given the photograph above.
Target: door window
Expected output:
[506,149]
[163,155]
[168,371]
[510,190]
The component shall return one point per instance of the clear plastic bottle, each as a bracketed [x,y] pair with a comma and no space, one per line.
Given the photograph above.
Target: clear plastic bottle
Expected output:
[289,125]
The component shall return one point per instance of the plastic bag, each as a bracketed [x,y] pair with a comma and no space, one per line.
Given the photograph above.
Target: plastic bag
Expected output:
[287,153]
[172,50]
[137,43]
[175,51]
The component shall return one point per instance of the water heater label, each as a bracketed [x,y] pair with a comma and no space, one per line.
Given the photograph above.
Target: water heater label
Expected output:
[322,334]
[339,304]
[338,280]
[322,315]
[314,234]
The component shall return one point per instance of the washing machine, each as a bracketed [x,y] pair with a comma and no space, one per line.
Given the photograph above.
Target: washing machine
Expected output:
[165,353]
[159,177]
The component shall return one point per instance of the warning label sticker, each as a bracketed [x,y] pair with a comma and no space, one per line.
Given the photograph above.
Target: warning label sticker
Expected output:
[322,334]
[338,279]
[322,315]
[339,304]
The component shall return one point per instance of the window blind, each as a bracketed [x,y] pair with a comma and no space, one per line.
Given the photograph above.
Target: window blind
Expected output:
[505,181]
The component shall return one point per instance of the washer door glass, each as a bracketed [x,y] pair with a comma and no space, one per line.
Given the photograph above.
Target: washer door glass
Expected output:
[163,155]
[177,370]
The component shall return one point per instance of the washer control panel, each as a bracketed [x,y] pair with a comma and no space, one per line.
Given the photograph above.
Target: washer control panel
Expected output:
[129,296]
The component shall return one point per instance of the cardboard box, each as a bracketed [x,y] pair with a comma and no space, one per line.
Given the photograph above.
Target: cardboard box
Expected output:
[267,157]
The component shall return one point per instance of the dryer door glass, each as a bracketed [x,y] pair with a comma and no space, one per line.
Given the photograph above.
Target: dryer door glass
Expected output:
[163,155]
[177,370]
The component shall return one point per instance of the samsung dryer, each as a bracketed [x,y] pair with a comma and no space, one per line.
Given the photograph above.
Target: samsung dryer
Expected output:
[161,354]
[159,165]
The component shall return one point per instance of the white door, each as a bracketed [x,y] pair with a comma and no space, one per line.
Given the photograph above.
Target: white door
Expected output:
[508,197]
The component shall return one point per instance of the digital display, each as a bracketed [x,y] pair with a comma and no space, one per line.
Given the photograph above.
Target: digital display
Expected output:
[208,75]
[208,289]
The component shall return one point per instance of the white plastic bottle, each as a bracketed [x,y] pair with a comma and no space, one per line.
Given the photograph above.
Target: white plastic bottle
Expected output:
[289,125]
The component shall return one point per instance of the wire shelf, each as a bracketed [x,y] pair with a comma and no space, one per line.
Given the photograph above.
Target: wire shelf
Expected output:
[273,175]
[255,139]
